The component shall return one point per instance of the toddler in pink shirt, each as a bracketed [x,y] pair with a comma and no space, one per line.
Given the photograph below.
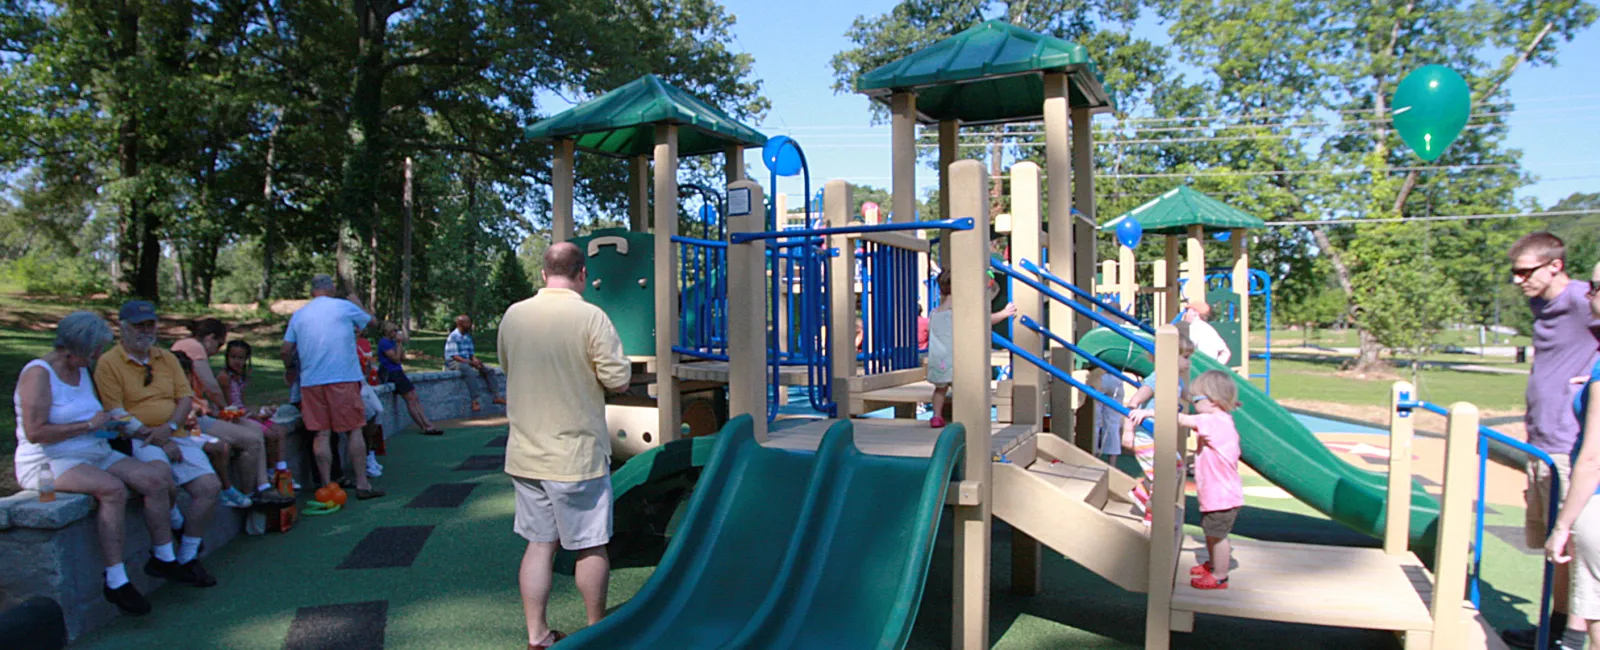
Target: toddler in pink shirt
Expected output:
[1216,471]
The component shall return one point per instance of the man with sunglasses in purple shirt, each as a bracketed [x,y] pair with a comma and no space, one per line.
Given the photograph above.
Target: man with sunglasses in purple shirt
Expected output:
[1563,349]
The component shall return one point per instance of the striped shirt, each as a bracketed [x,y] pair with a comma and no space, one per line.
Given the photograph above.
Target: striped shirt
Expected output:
[458,345]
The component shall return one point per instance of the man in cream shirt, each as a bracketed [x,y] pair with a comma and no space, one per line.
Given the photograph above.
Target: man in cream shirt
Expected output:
[561,355]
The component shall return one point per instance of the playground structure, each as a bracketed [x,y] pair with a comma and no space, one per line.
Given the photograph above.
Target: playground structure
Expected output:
[780,513]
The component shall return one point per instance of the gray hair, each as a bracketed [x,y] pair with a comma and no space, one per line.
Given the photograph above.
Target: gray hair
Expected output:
[322,282]
[81,332]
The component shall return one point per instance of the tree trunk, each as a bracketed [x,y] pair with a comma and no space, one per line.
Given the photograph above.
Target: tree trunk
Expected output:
[368,146]
[472,235]
[128,234]
[179,285]
[405,255]
[372,266]
[264,293]
[346,284]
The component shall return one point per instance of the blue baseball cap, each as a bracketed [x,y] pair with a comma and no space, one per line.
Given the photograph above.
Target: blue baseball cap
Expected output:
[137,311]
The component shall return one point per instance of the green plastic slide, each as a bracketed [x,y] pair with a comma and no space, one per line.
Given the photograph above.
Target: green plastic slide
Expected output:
[785,549]
[1285,452]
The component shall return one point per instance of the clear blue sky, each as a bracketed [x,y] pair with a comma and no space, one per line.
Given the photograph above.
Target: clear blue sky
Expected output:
[793,43]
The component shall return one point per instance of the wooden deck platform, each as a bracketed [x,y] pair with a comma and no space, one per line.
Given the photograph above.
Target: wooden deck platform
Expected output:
[1319,585]
[717,371]
[893,437]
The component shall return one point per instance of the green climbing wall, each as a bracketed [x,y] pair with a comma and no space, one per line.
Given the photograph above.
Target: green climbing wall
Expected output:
[622,282]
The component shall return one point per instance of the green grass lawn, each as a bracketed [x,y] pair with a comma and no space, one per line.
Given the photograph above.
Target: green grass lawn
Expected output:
[1315,380]
[1350,338]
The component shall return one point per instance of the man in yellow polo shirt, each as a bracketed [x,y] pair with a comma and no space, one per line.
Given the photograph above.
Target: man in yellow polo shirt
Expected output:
[147,382]
[561,355]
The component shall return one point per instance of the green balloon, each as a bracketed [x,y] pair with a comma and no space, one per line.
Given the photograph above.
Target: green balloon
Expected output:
[1430,109]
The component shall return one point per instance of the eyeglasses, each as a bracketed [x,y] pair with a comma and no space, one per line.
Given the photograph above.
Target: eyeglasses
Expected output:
[1521,275]
[1594,288]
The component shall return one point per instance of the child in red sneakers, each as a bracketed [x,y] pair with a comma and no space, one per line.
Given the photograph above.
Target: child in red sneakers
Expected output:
[941,343]
[1216,471]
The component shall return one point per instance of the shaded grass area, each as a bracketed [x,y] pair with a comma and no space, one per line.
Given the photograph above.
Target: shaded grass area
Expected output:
[461,592]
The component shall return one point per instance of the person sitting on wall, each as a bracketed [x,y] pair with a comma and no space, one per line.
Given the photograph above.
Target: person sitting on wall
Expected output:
[460,356]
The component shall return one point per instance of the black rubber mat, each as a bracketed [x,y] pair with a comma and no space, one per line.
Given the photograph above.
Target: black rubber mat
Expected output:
[499,442]
[481,463]
[443,495]
[388,547]
[348,626]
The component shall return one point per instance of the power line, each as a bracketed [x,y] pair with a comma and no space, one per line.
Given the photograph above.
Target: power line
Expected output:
[1454,217]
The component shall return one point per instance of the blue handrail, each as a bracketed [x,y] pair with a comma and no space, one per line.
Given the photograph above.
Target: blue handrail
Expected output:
[1047,291]
[1029,266]
[964,223]
[1485,434]
[1065,377]
[1035,326]
[708,243]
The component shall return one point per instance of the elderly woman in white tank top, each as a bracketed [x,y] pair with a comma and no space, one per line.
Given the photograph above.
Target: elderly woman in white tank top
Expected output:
[58,415]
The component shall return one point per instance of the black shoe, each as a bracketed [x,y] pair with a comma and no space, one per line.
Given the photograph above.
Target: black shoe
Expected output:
[128,599]
[171,571]
[201,577]
[432,432]
[1526,637]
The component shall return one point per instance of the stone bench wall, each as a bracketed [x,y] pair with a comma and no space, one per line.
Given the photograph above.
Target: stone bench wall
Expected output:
[52,549]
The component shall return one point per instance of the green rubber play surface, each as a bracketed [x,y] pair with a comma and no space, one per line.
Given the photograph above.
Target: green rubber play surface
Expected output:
[460,591]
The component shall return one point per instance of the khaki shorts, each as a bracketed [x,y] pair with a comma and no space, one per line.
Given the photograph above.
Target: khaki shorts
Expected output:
[194,463]
[1585,546]
[100,455]
[1219,523]
[1537,497]
[576,514]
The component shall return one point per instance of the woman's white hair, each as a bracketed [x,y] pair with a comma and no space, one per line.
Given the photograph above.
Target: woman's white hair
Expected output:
[81,332]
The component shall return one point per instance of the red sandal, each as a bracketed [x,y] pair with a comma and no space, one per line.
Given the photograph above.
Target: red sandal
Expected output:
[1208,581]
[1200,569]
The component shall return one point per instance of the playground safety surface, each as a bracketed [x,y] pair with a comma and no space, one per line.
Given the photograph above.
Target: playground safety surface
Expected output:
[433,565]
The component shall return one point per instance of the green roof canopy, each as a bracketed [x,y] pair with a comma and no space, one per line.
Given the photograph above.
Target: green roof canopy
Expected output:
[989,74]
[1172,214]
[622,122]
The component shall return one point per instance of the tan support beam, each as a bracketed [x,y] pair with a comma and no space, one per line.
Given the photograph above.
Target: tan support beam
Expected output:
[1166,496]
[836,201]
[733,164]
[666,225]
[1063,242]
[747,315]
[561,192]
[969,252]
[949,143]
[639,194]
[1194,269]
[1239,238]
[1397,522]
[903,127]
[1029,380]
[1084,230]
[1455,527]
[781,208]
[1128,278]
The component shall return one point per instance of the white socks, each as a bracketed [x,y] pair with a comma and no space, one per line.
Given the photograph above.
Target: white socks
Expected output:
[263,487]
[163,552]
[116,576]
[189,548]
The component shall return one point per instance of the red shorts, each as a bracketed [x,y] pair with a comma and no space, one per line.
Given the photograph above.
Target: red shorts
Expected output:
[333,407]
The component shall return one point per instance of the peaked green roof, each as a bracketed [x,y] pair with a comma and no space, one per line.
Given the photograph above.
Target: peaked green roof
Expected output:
[989,74]
[1172,214]
[622,122]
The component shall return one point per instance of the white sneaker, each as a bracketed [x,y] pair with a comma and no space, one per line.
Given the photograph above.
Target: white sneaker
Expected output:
[373,468]
[233,498]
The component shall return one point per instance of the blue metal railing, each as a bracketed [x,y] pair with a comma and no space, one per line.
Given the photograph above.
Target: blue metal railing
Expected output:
[703,308]
[888,307]
[1082,354]
[964,223]
[1029,266]
[1485,434]
[1065,376]
[1072,304]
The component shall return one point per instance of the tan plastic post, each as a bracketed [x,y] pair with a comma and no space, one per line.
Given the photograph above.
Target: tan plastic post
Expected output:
[781,209]
[733,164]
[837,198]
[1397,523]
[1029,380]
[666,225]
[1063,242]
[747,313]
[561,191]
[1455,527]
[1165,495]
[639,194]
[1107,282]
[903,127]
[969,256]
[1130,280]
[1238,237]
[1084,255]
[949,143]
[1194,270]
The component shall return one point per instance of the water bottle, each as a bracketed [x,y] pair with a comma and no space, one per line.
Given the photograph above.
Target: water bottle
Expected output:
[47,485]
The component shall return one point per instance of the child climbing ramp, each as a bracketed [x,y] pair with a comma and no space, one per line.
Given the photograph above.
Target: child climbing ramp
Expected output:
[941,335]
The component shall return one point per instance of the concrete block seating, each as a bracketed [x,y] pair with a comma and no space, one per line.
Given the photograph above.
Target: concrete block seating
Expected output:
[51,549]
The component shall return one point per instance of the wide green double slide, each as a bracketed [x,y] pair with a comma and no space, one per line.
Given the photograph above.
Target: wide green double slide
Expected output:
[1276,445]
[787,549]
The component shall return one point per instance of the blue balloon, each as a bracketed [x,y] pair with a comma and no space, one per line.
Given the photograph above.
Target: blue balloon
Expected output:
[708,213]
[1129,232]
[781,155]
[1224,235]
